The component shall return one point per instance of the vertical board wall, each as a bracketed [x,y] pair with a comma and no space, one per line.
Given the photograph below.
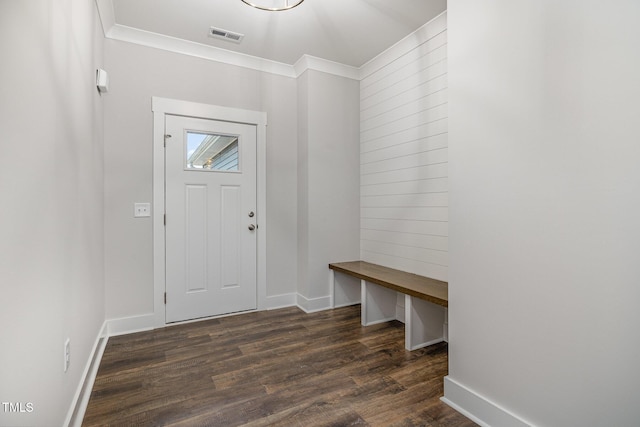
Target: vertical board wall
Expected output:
[404,155]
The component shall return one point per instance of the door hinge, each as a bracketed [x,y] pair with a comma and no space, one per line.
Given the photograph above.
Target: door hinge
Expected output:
[165,219]
[165,298]
[167,136]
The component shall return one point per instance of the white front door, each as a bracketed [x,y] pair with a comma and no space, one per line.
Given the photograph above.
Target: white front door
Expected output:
[210,196]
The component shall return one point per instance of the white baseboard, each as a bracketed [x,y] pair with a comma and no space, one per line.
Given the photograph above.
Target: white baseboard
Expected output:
[147,322]
[310,305]
[478,408]
[130,325]
[281,301]
[83,392]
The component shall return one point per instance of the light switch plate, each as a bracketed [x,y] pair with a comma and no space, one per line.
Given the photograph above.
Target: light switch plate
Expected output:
[141,210]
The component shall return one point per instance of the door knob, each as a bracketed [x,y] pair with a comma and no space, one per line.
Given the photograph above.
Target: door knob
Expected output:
[251,214]
[252,227]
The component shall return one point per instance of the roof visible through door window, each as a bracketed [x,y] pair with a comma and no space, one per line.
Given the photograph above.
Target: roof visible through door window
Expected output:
[212,152]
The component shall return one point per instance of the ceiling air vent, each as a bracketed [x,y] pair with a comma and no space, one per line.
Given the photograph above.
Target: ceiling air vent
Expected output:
[219,33]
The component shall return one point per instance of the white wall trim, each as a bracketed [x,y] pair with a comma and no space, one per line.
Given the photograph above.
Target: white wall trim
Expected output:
[185,47]
[478,408]
[162,107]
[310,305]
[131,325]
[308,62]
[78,407]
[281,301]
[115,31]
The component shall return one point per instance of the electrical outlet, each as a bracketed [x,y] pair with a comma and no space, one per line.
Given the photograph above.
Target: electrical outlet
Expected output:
[67,354]
[141,210]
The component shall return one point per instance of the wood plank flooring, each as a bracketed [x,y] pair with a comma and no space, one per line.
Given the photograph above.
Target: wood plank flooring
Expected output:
[274,368]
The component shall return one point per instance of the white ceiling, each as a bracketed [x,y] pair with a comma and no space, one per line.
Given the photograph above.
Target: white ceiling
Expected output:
[349,32]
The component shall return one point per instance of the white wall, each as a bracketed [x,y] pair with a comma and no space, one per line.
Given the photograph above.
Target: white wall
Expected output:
[545,195]
[328,176]
[404,155]
[51,212]
[137,73]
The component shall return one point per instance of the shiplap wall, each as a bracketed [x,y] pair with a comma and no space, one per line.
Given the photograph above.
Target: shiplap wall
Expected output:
[404,158]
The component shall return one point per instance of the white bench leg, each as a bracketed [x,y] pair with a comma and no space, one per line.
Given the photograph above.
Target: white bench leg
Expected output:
[332,287]
[445,327]
[378,303]
[423,323]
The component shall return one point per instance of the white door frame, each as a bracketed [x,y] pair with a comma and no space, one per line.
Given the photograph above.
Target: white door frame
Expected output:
[162,107]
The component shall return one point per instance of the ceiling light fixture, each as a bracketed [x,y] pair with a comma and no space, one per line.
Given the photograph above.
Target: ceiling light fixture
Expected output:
[273,5]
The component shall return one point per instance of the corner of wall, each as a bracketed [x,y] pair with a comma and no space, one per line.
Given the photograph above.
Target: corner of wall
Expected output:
[311,305]
[477,407]
[81,397]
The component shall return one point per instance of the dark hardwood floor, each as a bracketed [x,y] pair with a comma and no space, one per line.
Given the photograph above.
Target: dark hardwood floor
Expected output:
[275,368]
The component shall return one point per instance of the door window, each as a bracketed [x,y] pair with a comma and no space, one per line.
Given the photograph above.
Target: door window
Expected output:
[212,152]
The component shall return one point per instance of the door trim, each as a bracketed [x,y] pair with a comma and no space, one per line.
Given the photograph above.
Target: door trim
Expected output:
[163,106]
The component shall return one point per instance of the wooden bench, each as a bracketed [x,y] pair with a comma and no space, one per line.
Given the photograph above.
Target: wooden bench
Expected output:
[425,302]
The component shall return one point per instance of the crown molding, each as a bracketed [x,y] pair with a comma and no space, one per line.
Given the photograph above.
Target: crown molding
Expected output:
[306,62]
[173,44]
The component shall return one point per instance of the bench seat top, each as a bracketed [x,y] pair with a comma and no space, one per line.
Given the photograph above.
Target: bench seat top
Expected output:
[432,290]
